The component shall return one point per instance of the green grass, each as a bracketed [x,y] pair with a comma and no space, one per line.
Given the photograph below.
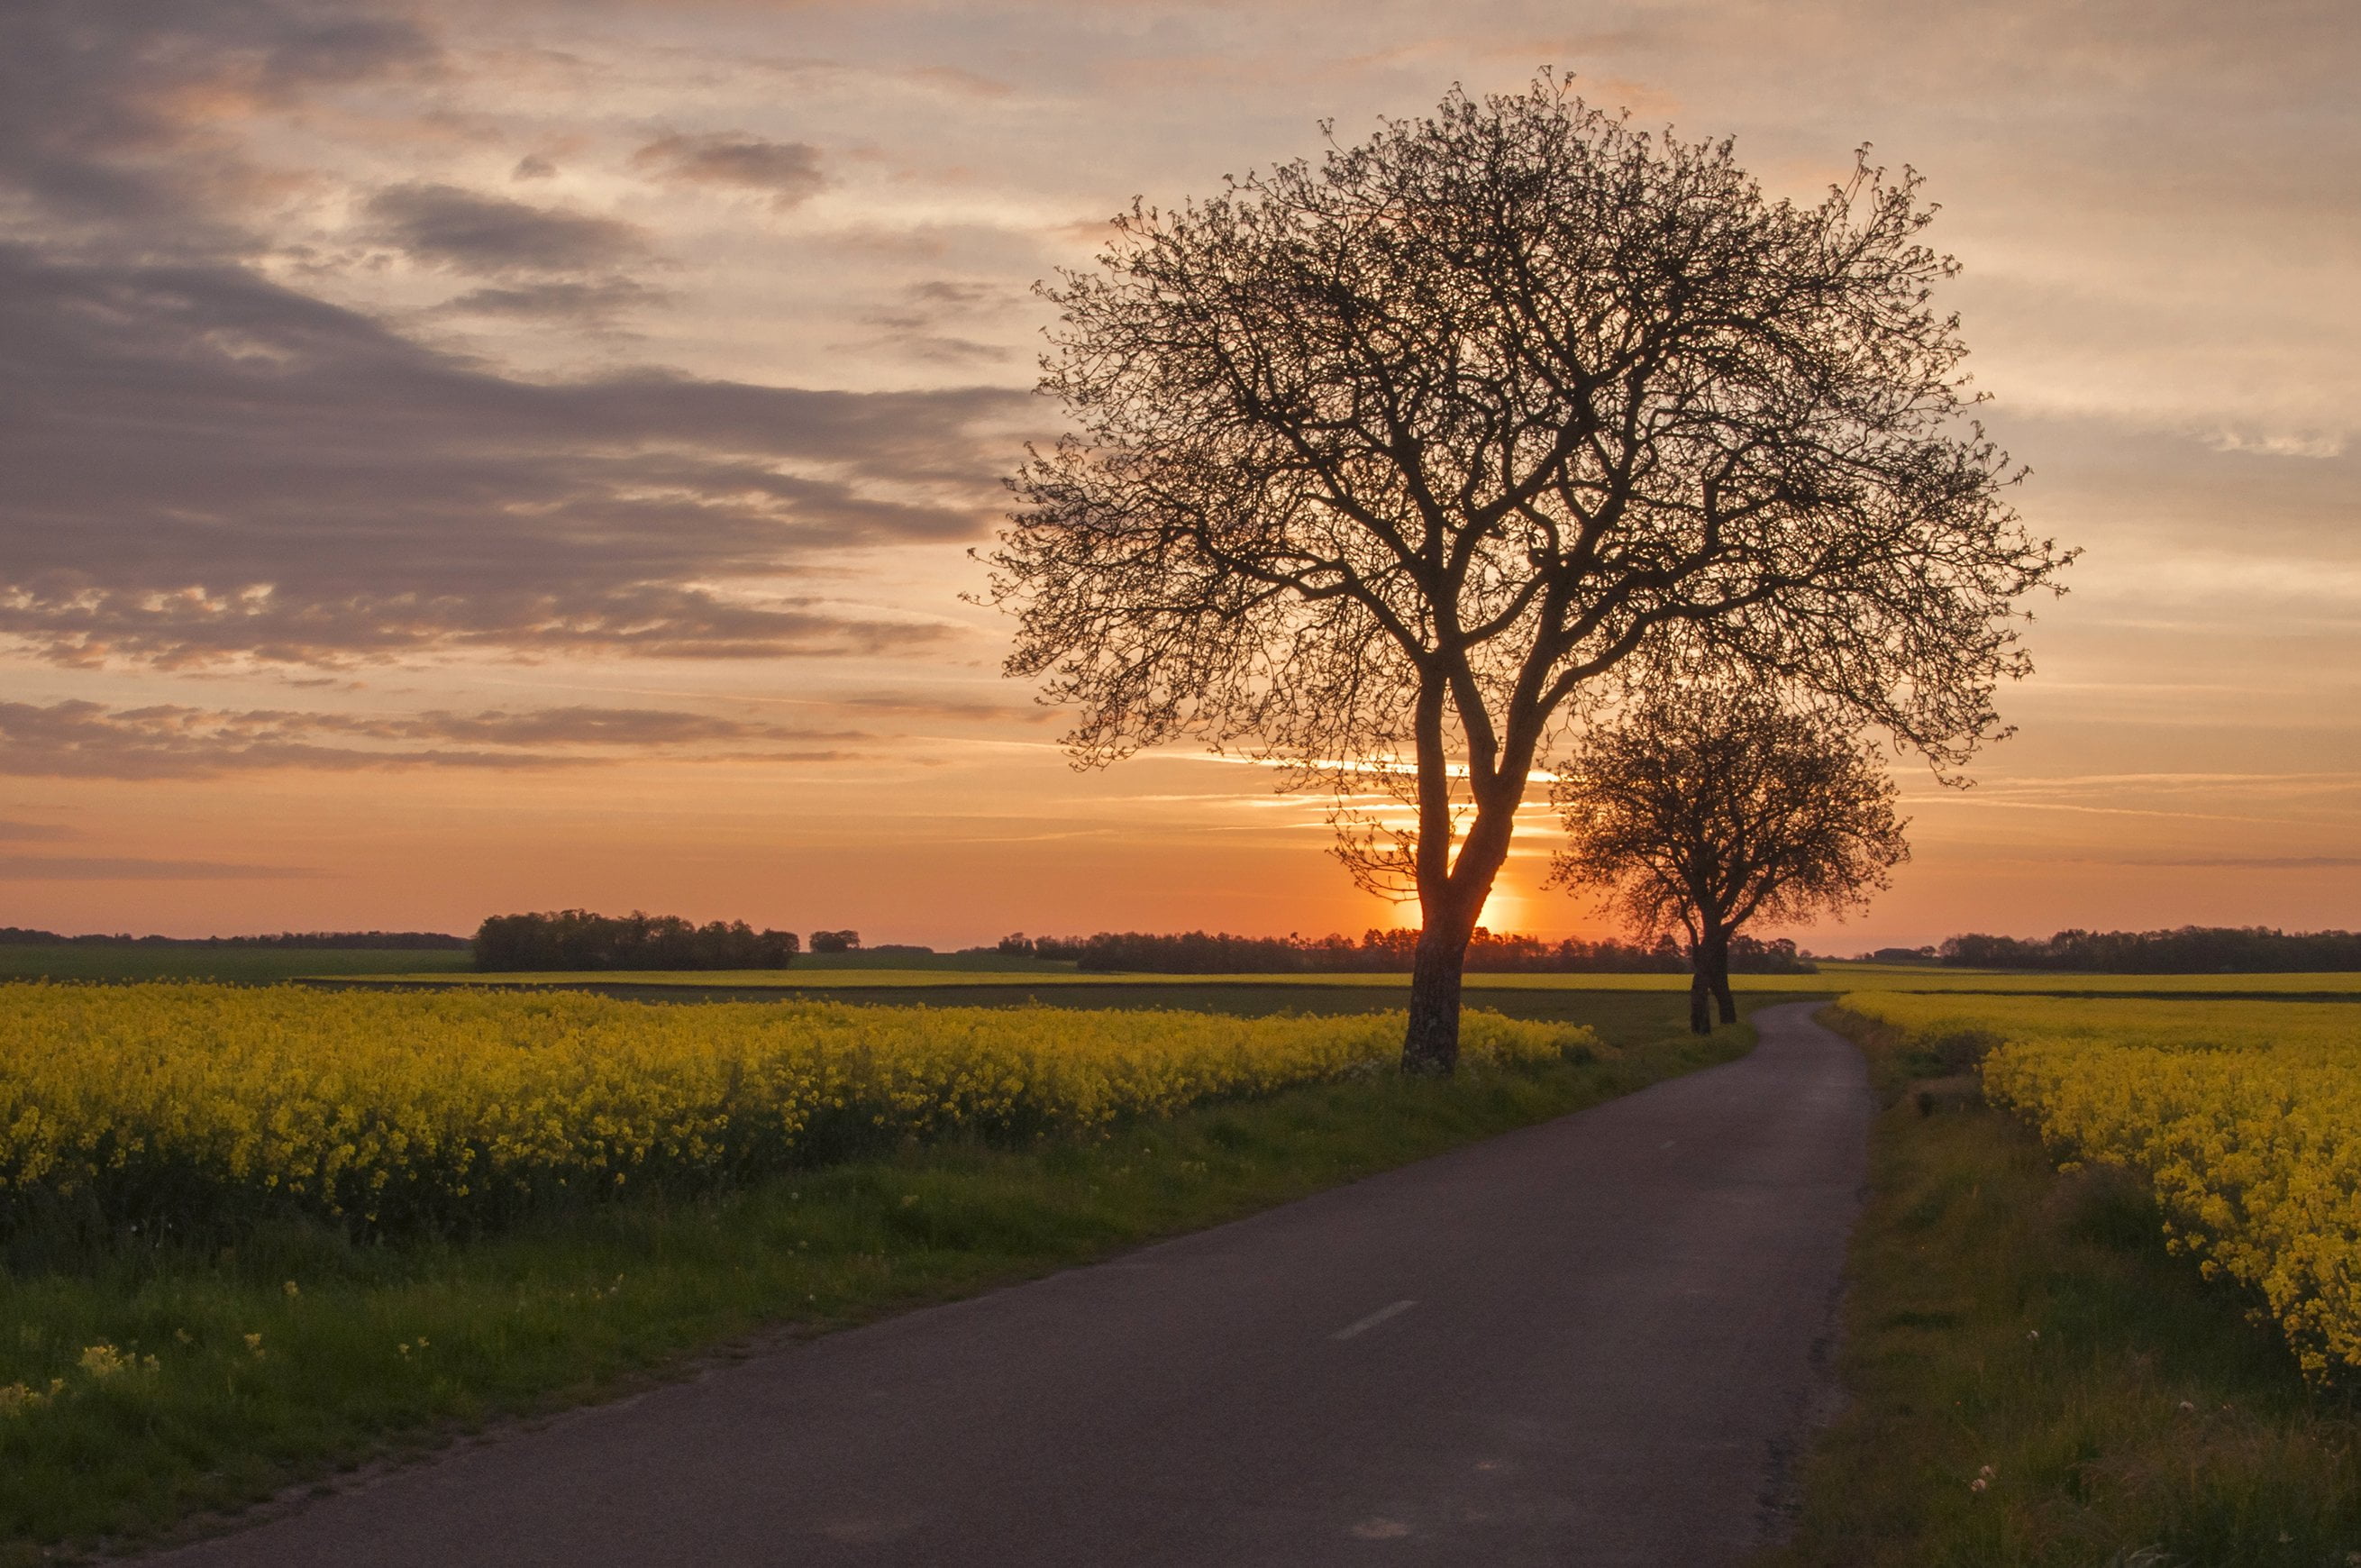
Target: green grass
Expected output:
[2003,1315]
[985,962]
[581,1307]
[253,966]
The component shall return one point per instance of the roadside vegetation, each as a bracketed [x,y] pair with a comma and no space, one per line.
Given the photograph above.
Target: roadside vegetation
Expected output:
[162,1375]
[2243,1119]
[2034,1376]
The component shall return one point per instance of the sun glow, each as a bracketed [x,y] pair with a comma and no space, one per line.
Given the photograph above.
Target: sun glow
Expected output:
[1502,910]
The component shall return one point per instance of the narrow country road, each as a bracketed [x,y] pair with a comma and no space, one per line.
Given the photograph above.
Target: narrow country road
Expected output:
[1593,1342]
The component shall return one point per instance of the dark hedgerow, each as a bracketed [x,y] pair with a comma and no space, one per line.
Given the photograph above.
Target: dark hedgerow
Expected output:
[577,939]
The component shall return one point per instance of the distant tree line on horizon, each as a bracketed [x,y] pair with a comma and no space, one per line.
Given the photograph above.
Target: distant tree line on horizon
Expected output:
[2191,950]
[1387,952]
[577,939]
[415,941]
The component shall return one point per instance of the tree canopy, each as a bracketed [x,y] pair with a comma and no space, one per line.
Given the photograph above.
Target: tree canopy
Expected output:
[578,940]
[1707,804]
[1380,461]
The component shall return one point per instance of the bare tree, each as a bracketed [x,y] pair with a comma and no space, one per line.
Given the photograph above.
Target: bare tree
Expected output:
[1710,804]
[1381,460]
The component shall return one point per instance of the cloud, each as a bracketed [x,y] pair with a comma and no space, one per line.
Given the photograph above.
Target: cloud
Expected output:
[919,704]
[967,83]
[915,324]
[2256,863]
[33,832]
[87,740]
[789,171]
[123,112]
[591,304]
[219,468]
[2278,444]
[574,725]
[110,868]
[492,236]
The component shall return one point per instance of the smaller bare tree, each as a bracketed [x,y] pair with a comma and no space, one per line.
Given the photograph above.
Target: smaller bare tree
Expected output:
[1709,804]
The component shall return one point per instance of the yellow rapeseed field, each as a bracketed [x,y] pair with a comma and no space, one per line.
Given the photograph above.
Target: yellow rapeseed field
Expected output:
[2244,1117]
[178,1104]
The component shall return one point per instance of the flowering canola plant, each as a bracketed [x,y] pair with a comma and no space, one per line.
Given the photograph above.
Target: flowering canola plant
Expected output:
[2244,1117]
[179,1104]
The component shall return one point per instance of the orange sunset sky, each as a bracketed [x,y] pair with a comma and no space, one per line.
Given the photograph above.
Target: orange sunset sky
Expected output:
[465,458]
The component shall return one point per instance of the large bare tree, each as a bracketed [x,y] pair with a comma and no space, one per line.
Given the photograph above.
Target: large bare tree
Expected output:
[1380,461]
[1709,804]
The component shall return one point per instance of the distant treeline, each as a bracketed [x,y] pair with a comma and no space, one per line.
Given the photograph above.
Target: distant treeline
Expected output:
[577,939]
[1199,952]
[2191,950]
[417,941]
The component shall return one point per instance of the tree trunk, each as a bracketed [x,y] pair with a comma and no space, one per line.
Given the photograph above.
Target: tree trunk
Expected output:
[1717,954]
[1451,895]
[1431,1045]
[1708,981]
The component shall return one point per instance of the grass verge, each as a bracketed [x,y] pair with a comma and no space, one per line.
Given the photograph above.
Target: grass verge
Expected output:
[2034,1381]
[298,1353]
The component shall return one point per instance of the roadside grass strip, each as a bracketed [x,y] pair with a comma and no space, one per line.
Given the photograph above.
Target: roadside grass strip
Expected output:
[2032,1376]
[155,1375]
[2243,1120]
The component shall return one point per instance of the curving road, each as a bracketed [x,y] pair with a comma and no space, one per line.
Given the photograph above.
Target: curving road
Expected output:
[1592,1342]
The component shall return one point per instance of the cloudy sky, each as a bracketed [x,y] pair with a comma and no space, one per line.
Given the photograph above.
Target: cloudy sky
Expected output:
[460,459]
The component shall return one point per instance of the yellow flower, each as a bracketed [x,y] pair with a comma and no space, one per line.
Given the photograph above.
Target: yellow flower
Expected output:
[2244,1118]
[103,1360]
[460,1110]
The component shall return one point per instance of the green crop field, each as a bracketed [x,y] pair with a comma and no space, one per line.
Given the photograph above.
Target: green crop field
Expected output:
[195,961]
[1832,978]
[992,978]
[986,963]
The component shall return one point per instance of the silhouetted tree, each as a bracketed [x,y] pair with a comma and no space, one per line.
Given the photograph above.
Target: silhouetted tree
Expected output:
[2191,950]
[835,941]
[578,940]
[1712,804]
[1382,460]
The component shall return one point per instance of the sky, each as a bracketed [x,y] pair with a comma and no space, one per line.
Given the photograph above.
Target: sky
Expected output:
[456,459]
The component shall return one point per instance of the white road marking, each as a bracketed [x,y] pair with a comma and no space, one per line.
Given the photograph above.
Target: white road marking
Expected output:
[1373,1320]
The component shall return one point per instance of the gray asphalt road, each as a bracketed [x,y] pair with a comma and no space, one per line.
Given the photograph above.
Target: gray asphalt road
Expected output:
[1593,1342]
